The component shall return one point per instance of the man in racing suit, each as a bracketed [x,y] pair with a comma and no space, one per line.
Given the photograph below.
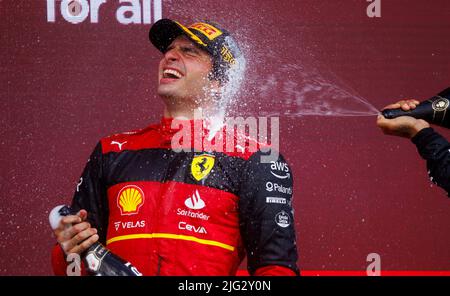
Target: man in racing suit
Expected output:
[434,148]
[194,212]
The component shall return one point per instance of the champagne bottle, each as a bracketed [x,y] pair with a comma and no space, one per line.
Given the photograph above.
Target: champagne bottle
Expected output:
[98,260]
[434,110]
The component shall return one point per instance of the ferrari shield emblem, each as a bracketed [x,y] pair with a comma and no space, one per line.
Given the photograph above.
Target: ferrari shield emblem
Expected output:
[202,165]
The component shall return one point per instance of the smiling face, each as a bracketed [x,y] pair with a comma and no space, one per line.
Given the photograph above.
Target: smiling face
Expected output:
[183,74]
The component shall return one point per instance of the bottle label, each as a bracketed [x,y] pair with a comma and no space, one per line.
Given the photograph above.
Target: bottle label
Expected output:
[93,263]
[440,104]
[95,257]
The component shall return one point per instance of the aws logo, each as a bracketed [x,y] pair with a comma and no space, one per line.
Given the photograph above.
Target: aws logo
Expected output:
[281,169]
[130,199]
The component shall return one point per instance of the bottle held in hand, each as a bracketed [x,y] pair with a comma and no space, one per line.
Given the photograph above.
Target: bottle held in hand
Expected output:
[434,110]
[97,259]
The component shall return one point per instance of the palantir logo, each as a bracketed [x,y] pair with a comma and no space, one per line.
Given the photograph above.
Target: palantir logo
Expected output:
[195,202]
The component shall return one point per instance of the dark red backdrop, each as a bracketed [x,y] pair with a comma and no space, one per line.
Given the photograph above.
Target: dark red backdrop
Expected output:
[66,85]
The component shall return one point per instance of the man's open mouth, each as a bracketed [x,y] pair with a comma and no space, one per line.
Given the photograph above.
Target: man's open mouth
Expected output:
[172,73]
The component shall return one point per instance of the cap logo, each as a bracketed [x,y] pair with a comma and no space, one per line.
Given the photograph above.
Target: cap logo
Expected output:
[207,30]
[193,36]
[227,56]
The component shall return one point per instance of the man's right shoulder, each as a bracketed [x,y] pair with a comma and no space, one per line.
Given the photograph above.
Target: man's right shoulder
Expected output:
[131,140]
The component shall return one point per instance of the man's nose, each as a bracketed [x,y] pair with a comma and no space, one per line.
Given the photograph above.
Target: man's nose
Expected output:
[172,55]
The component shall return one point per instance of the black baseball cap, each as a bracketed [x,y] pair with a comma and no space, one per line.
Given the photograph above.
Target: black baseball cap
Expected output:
[206,35]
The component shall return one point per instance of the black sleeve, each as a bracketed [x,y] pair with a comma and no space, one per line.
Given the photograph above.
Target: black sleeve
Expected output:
[435,149]
[90,194]
[266,214]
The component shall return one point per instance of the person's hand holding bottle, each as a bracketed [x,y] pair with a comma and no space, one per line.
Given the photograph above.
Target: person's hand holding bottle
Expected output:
[403,126]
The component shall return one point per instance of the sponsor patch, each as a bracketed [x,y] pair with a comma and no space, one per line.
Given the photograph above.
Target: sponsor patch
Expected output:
[192,228]
[194,215]
[276,200]
[201,166]
[280,170]
[272,186]
[194,202]
[282,219]
[129,224]
[130,199]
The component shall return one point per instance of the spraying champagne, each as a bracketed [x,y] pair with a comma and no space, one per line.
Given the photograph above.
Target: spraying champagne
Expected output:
[434,110]
[98,259]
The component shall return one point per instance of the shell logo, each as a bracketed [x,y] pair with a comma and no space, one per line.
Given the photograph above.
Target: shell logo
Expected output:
[130,199]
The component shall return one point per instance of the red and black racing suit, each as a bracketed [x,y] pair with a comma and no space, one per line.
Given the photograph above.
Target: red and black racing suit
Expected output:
[435,149]
[187,213]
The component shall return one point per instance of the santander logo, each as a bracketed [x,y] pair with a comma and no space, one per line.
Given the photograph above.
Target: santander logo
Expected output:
[195,202]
